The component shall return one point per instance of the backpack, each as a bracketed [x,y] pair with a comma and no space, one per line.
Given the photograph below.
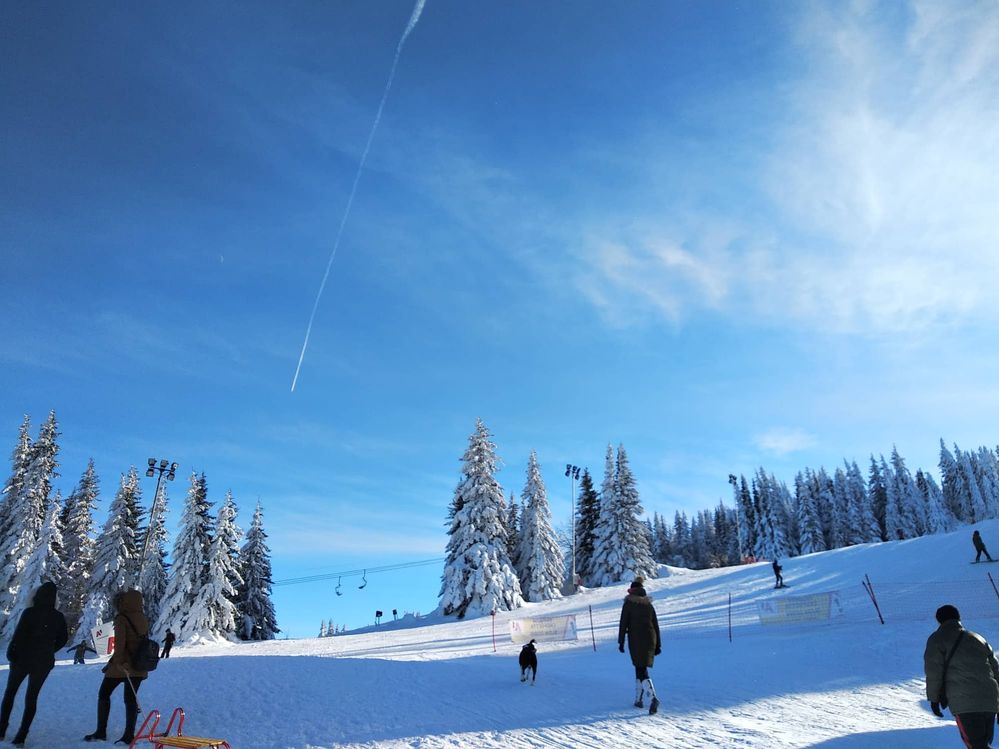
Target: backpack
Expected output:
[147,653]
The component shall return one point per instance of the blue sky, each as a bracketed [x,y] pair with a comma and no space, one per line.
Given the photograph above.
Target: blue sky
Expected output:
[723,234]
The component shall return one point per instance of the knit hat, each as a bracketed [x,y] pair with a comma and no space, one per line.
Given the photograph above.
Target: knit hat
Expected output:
[947,612]
[638,582]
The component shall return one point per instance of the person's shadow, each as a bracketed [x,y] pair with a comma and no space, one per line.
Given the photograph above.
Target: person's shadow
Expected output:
[933,737]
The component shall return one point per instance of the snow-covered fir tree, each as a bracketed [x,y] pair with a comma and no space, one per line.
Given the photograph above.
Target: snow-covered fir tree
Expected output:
[810,538]
[179,610]
[218,594]
[938,520]
[13,489]
[683,553]
[153,565]
[114,555]
[478,577]
[256,610]
[622,544]
[28,513]
[861,513]
[78,545]
[254,605]
[45,563]
[541,569]
[513,532]
[878,493]
[587,514]
[772,499]
[745,515]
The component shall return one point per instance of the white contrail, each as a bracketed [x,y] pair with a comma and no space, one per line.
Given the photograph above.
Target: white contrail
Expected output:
[417,10]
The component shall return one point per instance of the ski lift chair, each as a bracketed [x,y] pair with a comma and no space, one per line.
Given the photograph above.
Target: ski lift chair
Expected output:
[160,740]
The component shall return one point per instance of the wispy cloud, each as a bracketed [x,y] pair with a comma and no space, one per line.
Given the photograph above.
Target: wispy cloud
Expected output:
[877,183]
[783,441]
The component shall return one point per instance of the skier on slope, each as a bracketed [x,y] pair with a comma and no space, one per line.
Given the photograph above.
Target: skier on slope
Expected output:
[777,574]
[640,624]
[976,539]
[962,673]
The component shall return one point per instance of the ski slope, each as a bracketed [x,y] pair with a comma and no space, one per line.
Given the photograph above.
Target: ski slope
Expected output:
[848,683]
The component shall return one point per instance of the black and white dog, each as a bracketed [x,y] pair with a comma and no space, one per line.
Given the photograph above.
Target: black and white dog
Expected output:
[528,659]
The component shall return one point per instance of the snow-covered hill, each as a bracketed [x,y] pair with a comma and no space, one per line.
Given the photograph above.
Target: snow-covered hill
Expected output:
[849,683]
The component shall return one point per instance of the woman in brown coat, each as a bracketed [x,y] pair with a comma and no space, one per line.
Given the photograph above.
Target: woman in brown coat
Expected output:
[129,626]
[640,624]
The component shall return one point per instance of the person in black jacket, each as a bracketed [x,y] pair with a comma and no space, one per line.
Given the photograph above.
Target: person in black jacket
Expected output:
[40,633]
[80,650]
[640,624]
[168,642]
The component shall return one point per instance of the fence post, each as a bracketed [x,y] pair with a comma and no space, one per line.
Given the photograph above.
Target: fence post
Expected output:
[866,582]
[592,636]
[730,617]
[993,584]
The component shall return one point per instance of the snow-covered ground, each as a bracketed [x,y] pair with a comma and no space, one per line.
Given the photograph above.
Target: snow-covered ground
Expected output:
[850,683]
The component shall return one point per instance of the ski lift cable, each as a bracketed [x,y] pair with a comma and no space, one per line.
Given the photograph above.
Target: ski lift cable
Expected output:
[355,573]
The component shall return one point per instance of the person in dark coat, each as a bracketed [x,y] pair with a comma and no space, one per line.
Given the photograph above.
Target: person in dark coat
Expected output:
[777,574]
[976,539]
[79,651]
[971,685]
[130,626]
[640,624]
[40,633]
[168,640]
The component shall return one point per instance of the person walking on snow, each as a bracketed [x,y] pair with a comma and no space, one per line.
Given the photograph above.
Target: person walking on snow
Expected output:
[962,672]
[778,575]
[79,651]
[640,624]
[130,625]
[976,539]
[168,641]
[40,633]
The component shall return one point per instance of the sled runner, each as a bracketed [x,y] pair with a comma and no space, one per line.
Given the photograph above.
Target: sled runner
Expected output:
[178,739]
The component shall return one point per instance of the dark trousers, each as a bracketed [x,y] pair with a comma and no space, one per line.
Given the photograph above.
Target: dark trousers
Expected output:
[131,704]
[981,551]
[166,651]
[17,674]
[977,729]
[641,673]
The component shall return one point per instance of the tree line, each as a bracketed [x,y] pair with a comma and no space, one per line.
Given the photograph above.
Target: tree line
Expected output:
[825,511]
[209,587]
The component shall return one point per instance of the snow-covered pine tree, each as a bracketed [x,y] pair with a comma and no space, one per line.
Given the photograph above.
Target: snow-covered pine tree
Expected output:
[950,485]
[78,545]
[29,513]
[478,578]
[587,514]
[622,545]
[745,516]
[772,501]
[114,556]
[987,473]
[683,553]
[969,483]
[190,566]
[842,529]
[154,568]
[218,594]
[131,500]
[810,538]
[878,493]
[512,525]
[541,569]
[20,461]
[938,520]
[911,518]
[44,564]
[860,506]
[256,610]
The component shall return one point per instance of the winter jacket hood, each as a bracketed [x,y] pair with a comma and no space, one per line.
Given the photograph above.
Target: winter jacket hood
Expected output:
[972,684]
[45,596]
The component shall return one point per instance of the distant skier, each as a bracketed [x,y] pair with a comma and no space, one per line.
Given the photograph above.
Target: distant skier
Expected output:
[976,539]
[168,640]
[778,575]
[640,624]
[962,673]
[80,650]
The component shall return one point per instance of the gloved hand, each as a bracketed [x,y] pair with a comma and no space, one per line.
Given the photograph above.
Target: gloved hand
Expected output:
[659,651]
[620,648]
[935,707]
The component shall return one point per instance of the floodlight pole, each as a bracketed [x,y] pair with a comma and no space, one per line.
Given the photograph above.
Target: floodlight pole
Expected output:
[573,473]
[160,467]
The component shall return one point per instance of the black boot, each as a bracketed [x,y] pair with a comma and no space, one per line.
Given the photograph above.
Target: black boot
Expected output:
[19,739]
[96,736]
